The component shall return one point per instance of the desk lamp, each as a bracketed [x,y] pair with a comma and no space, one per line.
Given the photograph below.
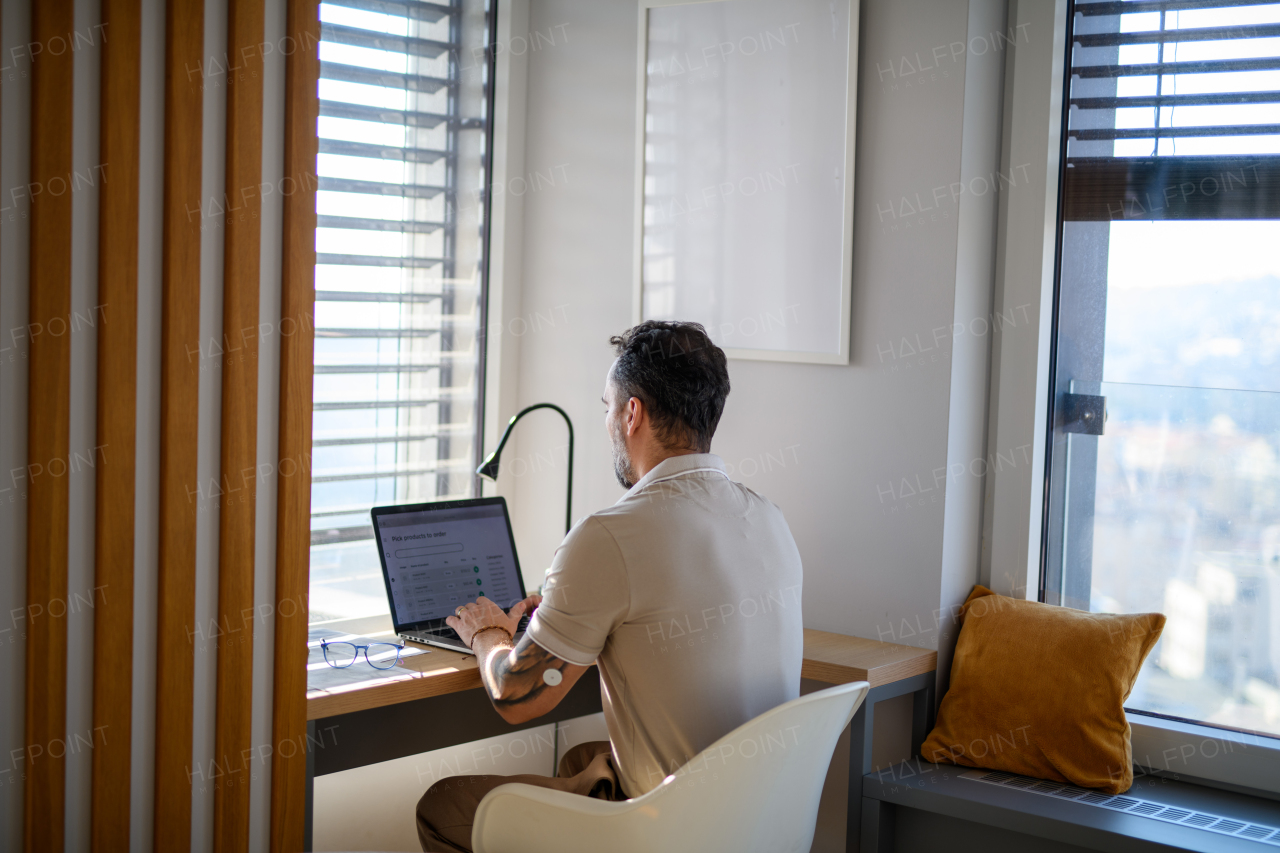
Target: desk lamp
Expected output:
[489,468]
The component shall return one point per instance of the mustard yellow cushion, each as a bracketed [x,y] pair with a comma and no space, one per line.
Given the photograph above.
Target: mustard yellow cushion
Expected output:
[1039,690]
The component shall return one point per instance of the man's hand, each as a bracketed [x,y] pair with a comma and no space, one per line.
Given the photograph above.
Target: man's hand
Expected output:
[483,613]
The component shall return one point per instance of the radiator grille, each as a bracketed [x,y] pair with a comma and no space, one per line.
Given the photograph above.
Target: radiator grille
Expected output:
[1131,805]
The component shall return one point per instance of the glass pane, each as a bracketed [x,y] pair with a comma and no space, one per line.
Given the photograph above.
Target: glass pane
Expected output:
[1168,335]
[400,242]
[1175,508]
[1187,522]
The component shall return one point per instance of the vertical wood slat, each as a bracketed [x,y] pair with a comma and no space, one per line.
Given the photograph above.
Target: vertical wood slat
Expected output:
[293,505]
[179,404]
[116,423]
[241,264]
[48,424]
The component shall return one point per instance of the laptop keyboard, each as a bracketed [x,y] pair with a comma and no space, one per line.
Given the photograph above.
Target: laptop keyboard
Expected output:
[447,633]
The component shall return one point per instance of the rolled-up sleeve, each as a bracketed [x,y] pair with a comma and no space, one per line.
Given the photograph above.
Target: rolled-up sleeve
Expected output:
[585,597]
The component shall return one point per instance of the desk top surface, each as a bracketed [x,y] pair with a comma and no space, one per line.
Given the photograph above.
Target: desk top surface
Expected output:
[829,658]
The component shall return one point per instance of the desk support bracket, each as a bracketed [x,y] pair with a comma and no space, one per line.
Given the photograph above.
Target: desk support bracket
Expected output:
[861,738]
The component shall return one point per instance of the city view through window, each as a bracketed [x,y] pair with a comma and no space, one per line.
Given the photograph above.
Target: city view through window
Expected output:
[1187,513]
[1173,315]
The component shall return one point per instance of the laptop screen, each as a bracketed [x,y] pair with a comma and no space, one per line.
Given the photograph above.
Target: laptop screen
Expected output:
[438,556]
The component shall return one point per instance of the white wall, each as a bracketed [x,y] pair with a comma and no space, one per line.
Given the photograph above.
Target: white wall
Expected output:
[856,456]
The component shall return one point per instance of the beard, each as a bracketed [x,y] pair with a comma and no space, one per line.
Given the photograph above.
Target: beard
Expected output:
[621,459]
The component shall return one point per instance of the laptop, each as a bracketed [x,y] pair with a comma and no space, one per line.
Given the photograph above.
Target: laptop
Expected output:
[437,556]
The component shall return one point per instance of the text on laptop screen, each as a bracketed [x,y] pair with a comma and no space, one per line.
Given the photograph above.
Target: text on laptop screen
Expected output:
[439,559]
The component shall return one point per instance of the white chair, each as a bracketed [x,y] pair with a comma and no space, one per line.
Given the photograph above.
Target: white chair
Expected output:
[757,788]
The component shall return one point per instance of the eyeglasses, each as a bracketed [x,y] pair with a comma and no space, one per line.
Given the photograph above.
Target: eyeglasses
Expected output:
[342,655]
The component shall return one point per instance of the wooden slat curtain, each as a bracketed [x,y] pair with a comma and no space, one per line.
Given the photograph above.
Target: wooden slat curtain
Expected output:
[48,428]
[206,228]
[293,512]
[179,421]
[119,132]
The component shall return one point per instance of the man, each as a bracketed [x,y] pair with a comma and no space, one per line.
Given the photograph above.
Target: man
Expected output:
[685,594]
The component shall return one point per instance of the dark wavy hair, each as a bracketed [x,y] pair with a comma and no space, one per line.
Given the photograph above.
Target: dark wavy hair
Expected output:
[679,374]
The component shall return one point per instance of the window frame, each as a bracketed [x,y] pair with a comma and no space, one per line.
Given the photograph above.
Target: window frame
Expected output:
[495,25]
[1021,403]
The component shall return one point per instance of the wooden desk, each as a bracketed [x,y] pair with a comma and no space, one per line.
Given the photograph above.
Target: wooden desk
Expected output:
[434,700]
[419,677]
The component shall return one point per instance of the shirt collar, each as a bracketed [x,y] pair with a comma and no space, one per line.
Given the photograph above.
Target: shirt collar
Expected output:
[675,465]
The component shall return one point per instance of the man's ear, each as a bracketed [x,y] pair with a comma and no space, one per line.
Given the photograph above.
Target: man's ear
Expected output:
[635,414]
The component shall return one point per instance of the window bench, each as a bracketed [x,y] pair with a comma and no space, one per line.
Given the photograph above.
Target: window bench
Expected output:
[916,805]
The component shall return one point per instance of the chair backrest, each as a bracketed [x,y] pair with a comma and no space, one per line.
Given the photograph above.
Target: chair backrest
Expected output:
[755,789]
[758,787]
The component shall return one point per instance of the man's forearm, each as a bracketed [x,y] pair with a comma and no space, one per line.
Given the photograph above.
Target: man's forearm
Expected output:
[486,645]
[524,682]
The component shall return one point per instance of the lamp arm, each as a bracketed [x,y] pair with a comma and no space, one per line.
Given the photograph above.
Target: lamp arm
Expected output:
[506,433]
[502,442]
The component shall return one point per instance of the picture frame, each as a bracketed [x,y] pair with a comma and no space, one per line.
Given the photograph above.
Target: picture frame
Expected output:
[744,175]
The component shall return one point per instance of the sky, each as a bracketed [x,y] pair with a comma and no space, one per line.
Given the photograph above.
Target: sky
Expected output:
[1176,253]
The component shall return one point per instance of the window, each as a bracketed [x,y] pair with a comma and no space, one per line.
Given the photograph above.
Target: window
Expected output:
[1164,458]
[405,105]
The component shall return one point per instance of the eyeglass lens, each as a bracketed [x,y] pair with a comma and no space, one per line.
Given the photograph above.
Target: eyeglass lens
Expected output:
[340,654]
[383,655]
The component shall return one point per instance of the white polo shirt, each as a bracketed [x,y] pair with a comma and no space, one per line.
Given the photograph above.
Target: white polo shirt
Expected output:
[686,594]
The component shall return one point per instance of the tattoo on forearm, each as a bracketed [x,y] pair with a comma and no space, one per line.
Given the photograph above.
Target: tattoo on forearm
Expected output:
[517,675]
